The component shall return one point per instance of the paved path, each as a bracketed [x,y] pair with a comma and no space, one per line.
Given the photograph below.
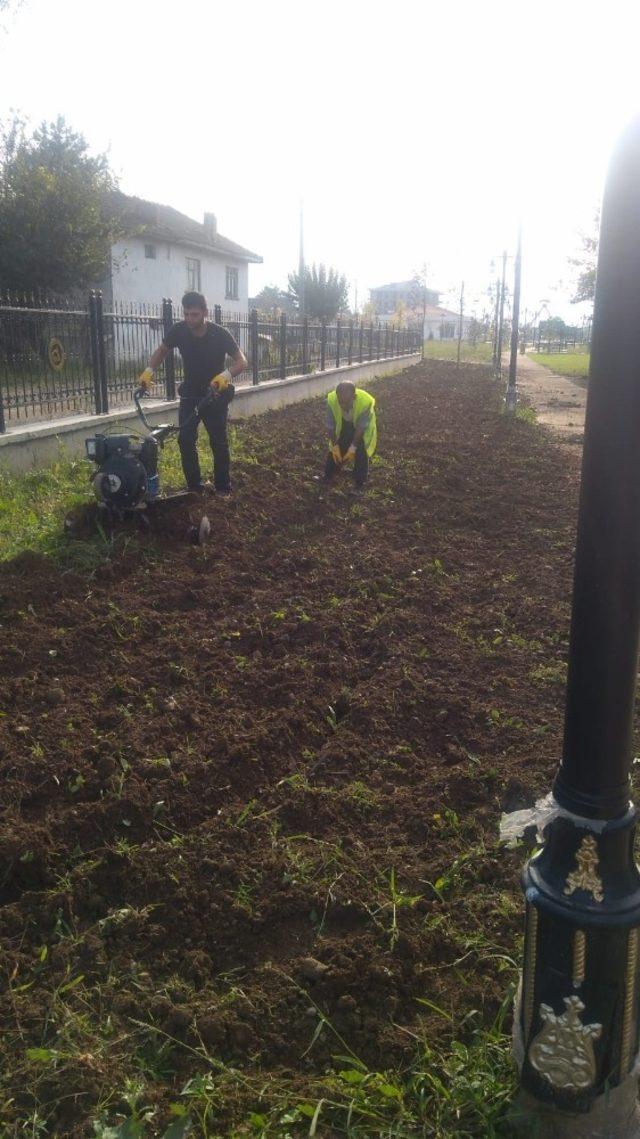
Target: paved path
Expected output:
[559,400]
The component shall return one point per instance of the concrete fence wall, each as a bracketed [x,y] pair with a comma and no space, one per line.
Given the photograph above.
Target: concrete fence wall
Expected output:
[40,444]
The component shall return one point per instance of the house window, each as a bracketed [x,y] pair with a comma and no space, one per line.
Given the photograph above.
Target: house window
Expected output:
[193,274]
[150,252]
[231,293]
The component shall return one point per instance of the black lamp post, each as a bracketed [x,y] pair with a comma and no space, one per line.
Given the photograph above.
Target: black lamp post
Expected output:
[576,1026]
[511,396]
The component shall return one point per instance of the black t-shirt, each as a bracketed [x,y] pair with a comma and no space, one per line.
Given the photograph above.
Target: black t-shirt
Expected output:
[203,356]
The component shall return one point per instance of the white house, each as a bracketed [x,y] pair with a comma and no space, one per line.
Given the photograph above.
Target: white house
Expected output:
[167,253]
[411,293]
[443,324]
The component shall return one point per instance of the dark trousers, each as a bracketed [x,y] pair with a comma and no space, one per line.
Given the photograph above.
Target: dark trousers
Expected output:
[361,461]
[214,417]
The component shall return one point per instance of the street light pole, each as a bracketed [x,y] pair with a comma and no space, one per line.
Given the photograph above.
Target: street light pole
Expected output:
[501,317]
[511,396]
[461,318]
[496,324]
[576,1025]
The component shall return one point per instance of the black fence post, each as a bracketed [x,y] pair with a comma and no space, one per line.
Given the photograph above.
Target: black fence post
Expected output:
[350,343]
[95,360]
[283,346]
[360,341]
[217,314]
[370,352]
[338,336]
[386,341]
[255,361]
[169,362]
[323,344]
[305,345]
[102,359]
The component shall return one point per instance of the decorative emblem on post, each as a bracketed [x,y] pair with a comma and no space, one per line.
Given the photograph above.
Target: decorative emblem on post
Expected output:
[563,1050]
[585,876]
[57,355]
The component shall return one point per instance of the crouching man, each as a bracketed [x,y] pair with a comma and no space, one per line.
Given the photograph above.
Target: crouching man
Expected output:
[351,422]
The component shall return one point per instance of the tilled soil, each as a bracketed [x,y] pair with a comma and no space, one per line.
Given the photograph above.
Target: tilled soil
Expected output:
[257,785]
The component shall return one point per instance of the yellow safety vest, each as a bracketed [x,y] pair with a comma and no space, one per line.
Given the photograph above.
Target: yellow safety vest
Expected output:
[362,402]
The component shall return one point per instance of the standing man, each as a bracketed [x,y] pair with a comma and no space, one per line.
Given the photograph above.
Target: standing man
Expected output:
[353,433]
[204,347]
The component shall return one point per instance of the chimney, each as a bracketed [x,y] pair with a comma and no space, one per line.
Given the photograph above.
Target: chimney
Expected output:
[210,226]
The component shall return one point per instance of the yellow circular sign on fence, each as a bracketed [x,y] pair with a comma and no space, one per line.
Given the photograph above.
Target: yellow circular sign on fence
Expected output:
[57,355]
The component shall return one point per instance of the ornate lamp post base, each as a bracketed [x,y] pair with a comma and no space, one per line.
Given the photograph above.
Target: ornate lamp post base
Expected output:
[575,1036]
[614,1115]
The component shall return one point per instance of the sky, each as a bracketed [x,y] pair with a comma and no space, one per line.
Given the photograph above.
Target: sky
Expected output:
[413,133]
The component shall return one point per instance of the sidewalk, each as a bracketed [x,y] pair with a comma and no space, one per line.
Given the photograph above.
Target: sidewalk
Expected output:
[559,400]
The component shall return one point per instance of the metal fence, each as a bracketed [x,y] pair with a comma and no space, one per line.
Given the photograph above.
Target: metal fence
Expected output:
[578,342]
[63,358]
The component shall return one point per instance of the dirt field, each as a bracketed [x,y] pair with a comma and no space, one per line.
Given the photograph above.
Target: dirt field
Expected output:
[251,792]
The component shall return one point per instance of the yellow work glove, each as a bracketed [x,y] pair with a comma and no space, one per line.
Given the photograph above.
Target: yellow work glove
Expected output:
[146,379]
[221,382]
[351,454]
[336,454]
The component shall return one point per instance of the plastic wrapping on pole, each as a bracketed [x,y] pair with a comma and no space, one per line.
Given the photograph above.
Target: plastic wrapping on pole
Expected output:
[576,1025]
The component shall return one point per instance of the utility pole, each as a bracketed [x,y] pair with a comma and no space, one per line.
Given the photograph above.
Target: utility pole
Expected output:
[511,397]
[460,324]
[576,1023]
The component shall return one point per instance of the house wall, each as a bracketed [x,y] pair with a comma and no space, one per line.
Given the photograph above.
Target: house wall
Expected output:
[433,327]
[142,279]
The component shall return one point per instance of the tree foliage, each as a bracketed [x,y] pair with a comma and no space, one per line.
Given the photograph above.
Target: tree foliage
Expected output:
[586,263]
[272,301]
[554,326]
[54,233]
[318,292]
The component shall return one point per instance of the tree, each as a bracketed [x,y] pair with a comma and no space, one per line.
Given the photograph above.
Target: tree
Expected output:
[399,317]
[586,264]
[272,301]
[325,293]
[54,232]
[554,326]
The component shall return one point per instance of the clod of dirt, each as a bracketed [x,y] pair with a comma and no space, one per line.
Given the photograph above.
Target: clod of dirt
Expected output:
[211,1029]
[311,969]
[54,696]
[177,1021]
[342,705]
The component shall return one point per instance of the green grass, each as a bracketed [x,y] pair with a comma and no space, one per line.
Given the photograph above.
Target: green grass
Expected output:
[33,507]
[463,1087]
[480,353]
[565,363]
